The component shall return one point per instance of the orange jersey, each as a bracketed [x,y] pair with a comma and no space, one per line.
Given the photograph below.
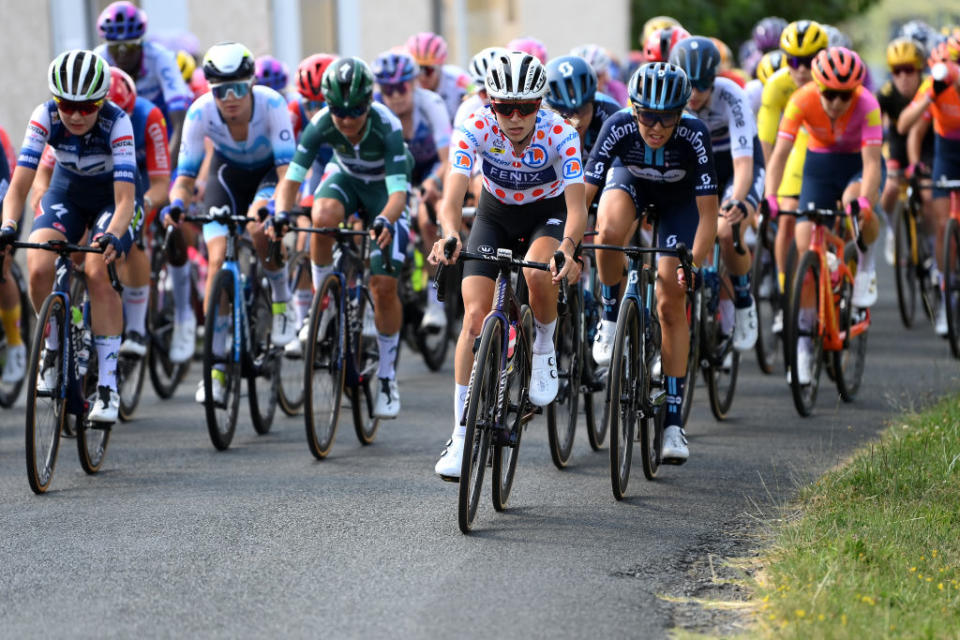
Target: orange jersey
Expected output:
[858,127]
[944,108]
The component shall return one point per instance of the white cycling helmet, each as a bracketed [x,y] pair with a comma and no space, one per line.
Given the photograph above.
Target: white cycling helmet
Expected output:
[595,56]
[228,62]
[79,76]
[516,76]
[480,63]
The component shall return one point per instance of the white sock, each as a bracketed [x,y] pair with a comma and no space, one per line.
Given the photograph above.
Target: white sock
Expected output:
[388,355]
[302,299]
[107,349]
[543,336]
[135,308]
[432,296]
[319,274]
[459,400]
[52,341]
[279,284]
[220,329]
[180,280]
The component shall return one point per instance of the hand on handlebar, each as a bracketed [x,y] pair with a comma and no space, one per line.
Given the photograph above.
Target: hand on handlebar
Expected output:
[382,232]
[734,211]
[564,265]
[276,225]
[773,206]
[8,234]
[170,214]
[445,251]
[111,246]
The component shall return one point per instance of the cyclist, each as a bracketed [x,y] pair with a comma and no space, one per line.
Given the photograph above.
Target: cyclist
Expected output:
[529,45]
[658,45]
[429,50]
[272,73]
[532,189]
[940,95]
[371,170]
[843,163]
[123,26]
[600,60]
[655,154]
[738,159]
[14,367]
[656,23]
[249,127]
[478,74]
[94,187]
[572,92]
[766,33]
[769,64]
[426,130]
[800,41]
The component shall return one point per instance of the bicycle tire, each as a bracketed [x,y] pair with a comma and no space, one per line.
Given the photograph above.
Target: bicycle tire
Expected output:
[433,346]
[562,413]
[805,396]
[764,270]
[263,371]
[694,304]
[41,452]
[848,363]
[221,420]
[131,372]
[905,268]
[516,412]
[291,390]
[480,413]
[92,442]
[716,350]
[786,340]
[366,355]
[951,283]
[591,383]
[9,394]
[323,366]
[622,410]
[165,376]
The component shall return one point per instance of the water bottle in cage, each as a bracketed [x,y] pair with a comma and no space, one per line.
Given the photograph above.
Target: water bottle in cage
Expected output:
[82,340]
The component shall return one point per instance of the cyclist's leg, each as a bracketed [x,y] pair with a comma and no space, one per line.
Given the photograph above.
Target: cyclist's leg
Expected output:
[789,193]
[545,240]
[739,266]
[434,314]
[15,365]
[135,275]
[333,199]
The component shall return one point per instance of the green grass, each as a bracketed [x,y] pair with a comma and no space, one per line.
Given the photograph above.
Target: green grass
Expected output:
[872,549]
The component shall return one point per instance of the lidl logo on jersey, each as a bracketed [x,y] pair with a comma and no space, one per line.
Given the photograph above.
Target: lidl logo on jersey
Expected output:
[572,169]
[535,156]
[462,160]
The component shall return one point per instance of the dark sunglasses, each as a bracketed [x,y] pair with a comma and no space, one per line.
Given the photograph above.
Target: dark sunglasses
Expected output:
[238,89]
[908,69]
[68,107]
[123,46]
[507,109]
[314,105]
[400,88]
[832,94]
[428,70]
[796,62]
[666,119]
[350,112]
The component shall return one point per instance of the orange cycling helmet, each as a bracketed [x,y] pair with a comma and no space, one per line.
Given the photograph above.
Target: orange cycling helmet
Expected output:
[310,74]
[658,45]
[839,69]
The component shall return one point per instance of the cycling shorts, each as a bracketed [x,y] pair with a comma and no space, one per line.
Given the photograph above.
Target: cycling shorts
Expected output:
[827,175]
[236,189]
[792,182]
[678,219]
[72,206]
[946,162]
[724,165]
[502,226]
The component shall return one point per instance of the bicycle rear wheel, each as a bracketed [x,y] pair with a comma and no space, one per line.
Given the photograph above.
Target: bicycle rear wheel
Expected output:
[694,312]
[263,376]
[324,368]
[10,393]
[848,363]
[290,388]
[45,410]
[131,371]
[165,376]
[433,343]
[562,413]
[516,411]
[366,354]
[720,361]
[221,416]
[623,405]
[905,267]
[481,412]
[951,283]
[808,274]
[766,292]
[592,377]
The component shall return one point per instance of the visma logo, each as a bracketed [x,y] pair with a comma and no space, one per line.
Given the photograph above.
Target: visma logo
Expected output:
[462,160]
[535,156]
[572,169]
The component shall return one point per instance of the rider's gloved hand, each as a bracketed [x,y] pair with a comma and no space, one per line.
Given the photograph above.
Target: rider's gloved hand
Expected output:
[171,213]
[112,249]
[382,231]
[773,206]
[8,233]
[278,222]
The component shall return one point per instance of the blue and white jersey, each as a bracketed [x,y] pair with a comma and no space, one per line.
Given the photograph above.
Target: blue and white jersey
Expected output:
[730,119]
[603,107]
[269,140]
[431,132]
[106,153]
[159,79]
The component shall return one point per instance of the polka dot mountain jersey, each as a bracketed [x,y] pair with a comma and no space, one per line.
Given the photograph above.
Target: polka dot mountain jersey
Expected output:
[549,163]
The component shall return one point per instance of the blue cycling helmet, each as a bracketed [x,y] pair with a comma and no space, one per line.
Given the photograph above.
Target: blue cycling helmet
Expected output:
[659,86]
[392,68]
[122,21]
[571,83]
[699,59]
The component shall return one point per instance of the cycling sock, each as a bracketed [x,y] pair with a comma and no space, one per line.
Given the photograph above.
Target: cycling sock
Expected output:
[135,308]
[279,284]
[543,336]
[388,355]
[10,318]
[865,260]
[180,279]
[220,329]
[52,341]
[107,350]
[674,401]
[459,403]
[781,281]
[727,316]
[610,296]
[302,299]
[741,289]
[319,274]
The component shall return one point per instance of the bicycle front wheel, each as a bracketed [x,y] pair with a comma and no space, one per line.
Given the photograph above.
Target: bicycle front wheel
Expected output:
[807,279]
[324,370]
[694,311]
[480,414]
[131,370]
[45,409]
[517,411]
[563,412]
[623,405]
[221,412]
[263,376]
[905,266]
[951,283]
[721,362]
[366,354]
[766,292]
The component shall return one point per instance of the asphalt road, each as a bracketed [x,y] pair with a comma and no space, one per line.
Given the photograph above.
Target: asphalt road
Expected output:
[174,538]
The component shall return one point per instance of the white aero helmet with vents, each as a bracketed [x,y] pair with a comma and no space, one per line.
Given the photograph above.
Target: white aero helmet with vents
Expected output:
[79,76]
[516,76]
[595,55]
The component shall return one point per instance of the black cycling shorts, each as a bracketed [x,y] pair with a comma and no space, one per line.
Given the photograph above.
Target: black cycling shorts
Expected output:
[236,189]
[502,226]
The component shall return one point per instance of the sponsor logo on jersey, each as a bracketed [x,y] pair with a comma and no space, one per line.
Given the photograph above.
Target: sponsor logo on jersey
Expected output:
[535,156]
[159,149]
[462,160]
[572,169]
[59,227]
[554,222]
[695,138]
[655,175]
[485,249]
[517,179]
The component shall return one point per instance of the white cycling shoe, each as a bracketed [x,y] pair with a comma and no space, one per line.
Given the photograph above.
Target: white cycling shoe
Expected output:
[448,466]
[105,407]
[16,365]
[387,406]
[745,327]
[804,362]
[603,342]
[940,325]
[219,390]
[434,318]
[675,449]
[284,324]
[183,342]
[544,383]
[865,288]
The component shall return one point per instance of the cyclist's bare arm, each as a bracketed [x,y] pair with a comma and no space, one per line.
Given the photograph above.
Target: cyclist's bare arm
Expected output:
[451,212]
[17,193]
[872,173]
[911,113]
[776,165]
[915,140]
[709,209]
[286,193]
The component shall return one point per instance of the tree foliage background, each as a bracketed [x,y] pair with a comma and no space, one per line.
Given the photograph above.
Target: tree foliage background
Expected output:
[732,20]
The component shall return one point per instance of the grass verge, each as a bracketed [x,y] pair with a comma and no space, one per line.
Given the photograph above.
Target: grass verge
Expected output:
[873,548]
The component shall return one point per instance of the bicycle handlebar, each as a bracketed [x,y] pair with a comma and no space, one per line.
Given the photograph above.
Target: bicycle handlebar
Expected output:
[64,248]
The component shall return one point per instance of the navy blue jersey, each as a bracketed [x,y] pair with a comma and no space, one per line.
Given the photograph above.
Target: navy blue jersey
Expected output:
[681,169]
[603,107]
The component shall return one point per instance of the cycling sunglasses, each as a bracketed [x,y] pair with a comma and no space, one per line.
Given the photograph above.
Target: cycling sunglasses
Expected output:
[85,108]
[400,88]
[314,105]
[900,69]
[428,70]
[796,62]
[507,109]
[123,46]
[832,94]
[666,119]
[350,112]
[224,89]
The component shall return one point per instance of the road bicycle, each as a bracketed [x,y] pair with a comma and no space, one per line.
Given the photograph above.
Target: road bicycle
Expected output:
[914,265]
[951,264]
[10,393]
